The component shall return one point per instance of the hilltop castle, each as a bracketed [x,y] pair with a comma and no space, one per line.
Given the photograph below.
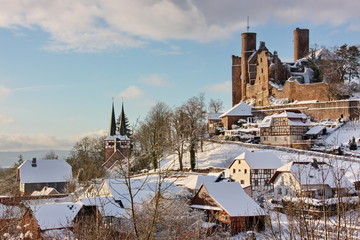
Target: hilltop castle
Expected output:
[262,80]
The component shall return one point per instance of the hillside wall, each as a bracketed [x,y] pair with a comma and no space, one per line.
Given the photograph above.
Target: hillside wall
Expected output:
[349,109]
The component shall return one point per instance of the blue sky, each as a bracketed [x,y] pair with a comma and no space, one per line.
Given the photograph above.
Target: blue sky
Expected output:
[62,62]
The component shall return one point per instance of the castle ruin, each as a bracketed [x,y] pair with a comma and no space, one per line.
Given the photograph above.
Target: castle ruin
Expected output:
[261,79]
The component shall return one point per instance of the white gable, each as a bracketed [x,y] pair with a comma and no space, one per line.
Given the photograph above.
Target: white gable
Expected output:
[45,171]
[240,109]
[233,199]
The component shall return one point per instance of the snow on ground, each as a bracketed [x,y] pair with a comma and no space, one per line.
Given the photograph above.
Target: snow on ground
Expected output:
[221,155]
[344,134]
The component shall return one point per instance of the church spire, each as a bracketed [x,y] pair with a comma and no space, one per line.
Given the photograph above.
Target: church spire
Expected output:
[122,127]
[112,121]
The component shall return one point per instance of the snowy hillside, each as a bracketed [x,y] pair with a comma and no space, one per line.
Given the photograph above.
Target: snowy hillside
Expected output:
[221,155]
[344,134]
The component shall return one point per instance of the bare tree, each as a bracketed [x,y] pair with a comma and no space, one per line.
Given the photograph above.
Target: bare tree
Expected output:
[152,138]
[179,133]
[194,110]
[86,158]
[215,105]
[51,155]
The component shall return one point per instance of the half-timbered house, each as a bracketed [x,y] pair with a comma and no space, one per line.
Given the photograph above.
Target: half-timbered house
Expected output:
[227,205]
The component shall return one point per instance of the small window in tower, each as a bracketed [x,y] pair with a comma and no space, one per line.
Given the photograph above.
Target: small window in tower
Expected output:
[262,70]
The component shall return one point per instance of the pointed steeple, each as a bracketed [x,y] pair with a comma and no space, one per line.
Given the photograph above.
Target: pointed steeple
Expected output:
[122,127]
[112,121]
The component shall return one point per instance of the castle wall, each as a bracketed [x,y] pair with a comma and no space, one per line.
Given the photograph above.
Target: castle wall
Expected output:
[349,109]
[302,92]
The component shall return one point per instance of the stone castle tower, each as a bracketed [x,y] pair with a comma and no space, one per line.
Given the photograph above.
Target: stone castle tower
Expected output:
[117,145]
[301,43]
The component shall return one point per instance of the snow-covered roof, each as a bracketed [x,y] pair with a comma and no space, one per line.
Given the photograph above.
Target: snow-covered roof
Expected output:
[294,119]
[214,116]
[195,181]
[232,198]
[45,171]
[106,205]
[55,216]
[308,173]
[240,109]
[143,189]
[260,160]
[315,130]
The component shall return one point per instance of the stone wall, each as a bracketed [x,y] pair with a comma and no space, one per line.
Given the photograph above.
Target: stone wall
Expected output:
[349,109]
[302,92]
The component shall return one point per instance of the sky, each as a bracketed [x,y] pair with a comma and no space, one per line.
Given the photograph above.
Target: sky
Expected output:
[62,62]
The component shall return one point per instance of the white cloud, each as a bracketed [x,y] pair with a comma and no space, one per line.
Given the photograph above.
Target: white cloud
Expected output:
[26,142]
[224,87]
[5,120]
[154,80]
[40,141]
[98,133]
[4,92]
[132,92]
[95,25]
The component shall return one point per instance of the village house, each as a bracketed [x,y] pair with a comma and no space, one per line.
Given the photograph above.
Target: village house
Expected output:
[240,111]
[34,175]
[111,211]
[143,189]
[227,205]
[255,168]
[214,123]
[310,179]
[285,129]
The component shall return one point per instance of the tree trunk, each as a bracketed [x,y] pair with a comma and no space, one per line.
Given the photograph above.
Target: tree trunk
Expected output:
[192,156]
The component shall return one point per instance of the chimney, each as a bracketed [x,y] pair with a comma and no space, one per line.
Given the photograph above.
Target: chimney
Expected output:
[301,43]
[33,163]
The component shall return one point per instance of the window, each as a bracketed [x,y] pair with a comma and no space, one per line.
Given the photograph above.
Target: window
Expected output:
[234,170]
[256,183]
[256,171]
[245,171]
[239,161]
[279,191]
[239,170]
[242,181]
[267,171]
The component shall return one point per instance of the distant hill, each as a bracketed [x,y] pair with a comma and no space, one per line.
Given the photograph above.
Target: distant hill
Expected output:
[7,159]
